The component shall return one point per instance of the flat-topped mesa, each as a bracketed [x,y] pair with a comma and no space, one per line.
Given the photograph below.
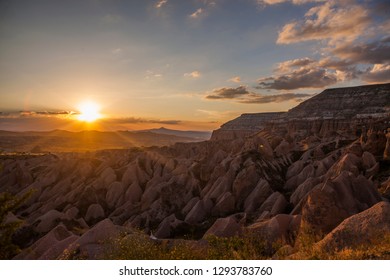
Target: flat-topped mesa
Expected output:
[345,103]
[244,125]
[332,110]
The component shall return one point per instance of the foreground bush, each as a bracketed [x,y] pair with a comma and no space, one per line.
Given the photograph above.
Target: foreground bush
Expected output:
[8,204]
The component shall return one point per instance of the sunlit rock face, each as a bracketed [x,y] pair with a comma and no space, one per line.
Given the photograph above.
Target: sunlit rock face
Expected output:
[285,175]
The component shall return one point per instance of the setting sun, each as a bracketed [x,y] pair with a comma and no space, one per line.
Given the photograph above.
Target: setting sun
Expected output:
[89,112]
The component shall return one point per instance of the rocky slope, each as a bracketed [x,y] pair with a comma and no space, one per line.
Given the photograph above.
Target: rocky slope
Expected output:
[275,184]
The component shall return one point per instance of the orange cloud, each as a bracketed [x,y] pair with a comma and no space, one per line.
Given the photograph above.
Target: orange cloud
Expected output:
[197,13]
[193,74]
[380,73]
[286,66]
[327,22]
[161,3]
[236,79]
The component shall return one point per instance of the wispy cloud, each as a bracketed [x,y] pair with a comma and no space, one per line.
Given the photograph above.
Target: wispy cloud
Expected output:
[296,2]
[50,120]
[218,115]
[236,79]
[37,114]
[65,114]
[153,75]
[228,93]
[134,120]
[203,11]
[199,12]
[161,3]
[242,95]
[275,98]
[193,74]
[116,51]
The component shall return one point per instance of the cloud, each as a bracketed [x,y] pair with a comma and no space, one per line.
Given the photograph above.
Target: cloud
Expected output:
[374,52]
[380,73]
[228,93]
[327,22]
[153,75]
[210,3]
[133,120]
[161,3]
[212,114]
[276,98]
[345,69]
[236,79]
[50,120]
[289,64]
[242,95]
[116,51]
[193,74]
[203,11]
[355,45]
[24,114]
[311,77]
[199,12]
[296,2]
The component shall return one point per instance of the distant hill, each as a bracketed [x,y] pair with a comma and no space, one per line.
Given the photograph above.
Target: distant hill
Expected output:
[66,141]
[199,135]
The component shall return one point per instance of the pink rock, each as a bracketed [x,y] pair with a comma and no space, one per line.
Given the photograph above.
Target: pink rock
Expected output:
[225,227]
[225,205]
[359,229]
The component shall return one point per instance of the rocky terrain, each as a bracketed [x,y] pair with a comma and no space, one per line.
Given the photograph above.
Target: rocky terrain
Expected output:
[325,173]
[354,106]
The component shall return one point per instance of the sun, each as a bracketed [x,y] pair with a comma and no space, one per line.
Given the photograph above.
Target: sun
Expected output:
[89,112]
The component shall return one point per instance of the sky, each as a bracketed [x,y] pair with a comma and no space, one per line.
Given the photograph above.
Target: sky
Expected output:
[181,64]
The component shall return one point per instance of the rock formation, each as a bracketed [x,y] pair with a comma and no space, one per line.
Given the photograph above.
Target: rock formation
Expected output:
[317,166]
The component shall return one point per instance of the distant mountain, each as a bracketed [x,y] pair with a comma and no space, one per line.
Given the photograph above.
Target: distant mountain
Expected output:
[198,135]
[66,141]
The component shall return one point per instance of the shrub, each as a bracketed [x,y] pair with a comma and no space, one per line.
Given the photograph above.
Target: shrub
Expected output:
[9,203]
[138,246]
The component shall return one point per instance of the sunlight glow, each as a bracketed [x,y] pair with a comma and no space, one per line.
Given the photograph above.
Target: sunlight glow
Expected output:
[89,112]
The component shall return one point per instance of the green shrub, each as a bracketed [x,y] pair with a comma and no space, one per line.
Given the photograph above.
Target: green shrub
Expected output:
[9,203]
[138,246]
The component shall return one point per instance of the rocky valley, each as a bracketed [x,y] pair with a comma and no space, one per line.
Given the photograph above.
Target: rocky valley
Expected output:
[320,170]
